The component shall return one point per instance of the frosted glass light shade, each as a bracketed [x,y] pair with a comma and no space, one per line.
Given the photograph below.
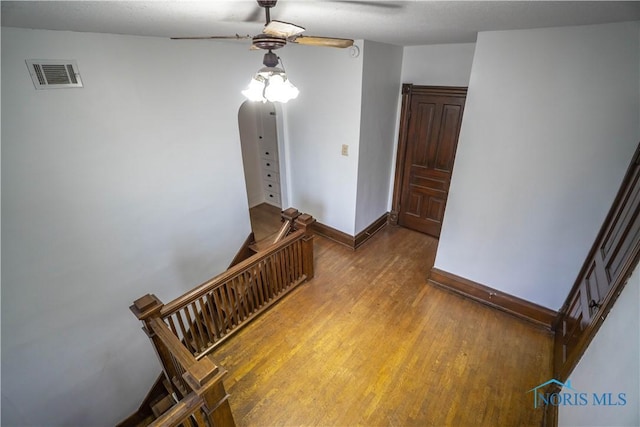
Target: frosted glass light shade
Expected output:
[270,84]
[255,90]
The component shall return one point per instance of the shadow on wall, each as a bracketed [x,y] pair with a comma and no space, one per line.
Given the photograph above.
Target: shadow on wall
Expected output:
[194,266]
[312,207]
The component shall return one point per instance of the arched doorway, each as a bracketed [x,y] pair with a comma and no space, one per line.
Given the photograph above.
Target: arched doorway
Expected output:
[264,158]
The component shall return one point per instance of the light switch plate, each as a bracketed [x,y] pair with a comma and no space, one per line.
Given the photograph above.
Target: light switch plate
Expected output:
[345,150]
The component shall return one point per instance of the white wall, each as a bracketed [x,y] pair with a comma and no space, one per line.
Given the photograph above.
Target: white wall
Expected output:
[130,185]
[438,65]
[343,100]
[611,364]
[380,97]
[550,124]
[325,115]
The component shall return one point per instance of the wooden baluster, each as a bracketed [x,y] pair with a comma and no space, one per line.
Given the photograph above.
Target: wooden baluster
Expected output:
[299,269]
[219,310]
[193,329]
[234,303]
[243,301]
[250,291]
[201,315]
[291,262]
[280,277]
[186,333]
[262,282]
[272,275]
[207,319]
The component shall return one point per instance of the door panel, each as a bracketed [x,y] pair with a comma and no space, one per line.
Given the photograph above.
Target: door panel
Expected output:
[448,138]
[432,129]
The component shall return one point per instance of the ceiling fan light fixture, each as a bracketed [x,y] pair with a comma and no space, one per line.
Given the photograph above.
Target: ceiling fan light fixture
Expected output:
[271,84]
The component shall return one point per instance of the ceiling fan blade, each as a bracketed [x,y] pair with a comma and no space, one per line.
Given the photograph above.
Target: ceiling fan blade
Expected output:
[282,29]
[236,37]
[323,41]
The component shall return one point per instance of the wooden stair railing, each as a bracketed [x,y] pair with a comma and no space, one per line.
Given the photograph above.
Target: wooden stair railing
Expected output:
[206,316]
[251,247]
[197,384]
[188,328]
[290,223]
[184,413]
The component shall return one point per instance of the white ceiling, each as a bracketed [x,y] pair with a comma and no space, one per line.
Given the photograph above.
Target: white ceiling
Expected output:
[395,22]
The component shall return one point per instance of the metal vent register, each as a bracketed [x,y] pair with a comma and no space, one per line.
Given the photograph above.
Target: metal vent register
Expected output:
[54,73]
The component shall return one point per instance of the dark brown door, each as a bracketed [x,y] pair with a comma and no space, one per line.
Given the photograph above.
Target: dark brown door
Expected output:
[431,119]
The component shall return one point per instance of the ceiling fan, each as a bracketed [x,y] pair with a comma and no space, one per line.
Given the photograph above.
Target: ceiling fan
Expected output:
[277,34]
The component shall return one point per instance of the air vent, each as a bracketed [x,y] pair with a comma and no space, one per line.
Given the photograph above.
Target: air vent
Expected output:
[54,73]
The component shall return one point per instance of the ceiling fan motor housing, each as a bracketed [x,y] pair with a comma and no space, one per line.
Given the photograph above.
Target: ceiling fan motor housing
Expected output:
[267,3]
[265,41]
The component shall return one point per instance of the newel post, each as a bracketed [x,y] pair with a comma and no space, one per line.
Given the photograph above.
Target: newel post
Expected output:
[304,222]
[145,308]
[289,214]
[205,379]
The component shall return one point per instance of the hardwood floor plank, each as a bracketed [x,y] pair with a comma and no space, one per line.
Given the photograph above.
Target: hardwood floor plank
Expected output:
[369,342]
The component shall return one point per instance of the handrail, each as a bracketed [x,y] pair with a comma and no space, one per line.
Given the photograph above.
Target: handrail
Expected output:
[181,411]
[286,226]
[198,291]
[207,316]
[178,350]
[190,377]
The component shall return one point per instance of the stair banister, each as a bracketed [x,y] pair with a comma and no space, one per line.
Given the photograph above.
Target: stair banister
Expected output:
[198,291]
[185,374]
[181,412]
[184,331]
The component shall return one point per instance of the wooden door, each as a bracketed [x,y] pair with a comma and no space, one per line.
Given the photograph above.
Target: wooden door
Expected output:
[430,125]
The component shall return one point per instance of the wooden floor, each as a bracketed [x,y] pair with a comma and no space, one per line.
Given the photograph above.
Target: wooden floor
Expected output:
[369,342]
[265,220]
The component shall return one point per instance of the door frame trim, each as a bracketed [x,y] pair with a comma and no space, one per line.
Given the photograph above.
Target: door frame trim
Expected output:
[408,89]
